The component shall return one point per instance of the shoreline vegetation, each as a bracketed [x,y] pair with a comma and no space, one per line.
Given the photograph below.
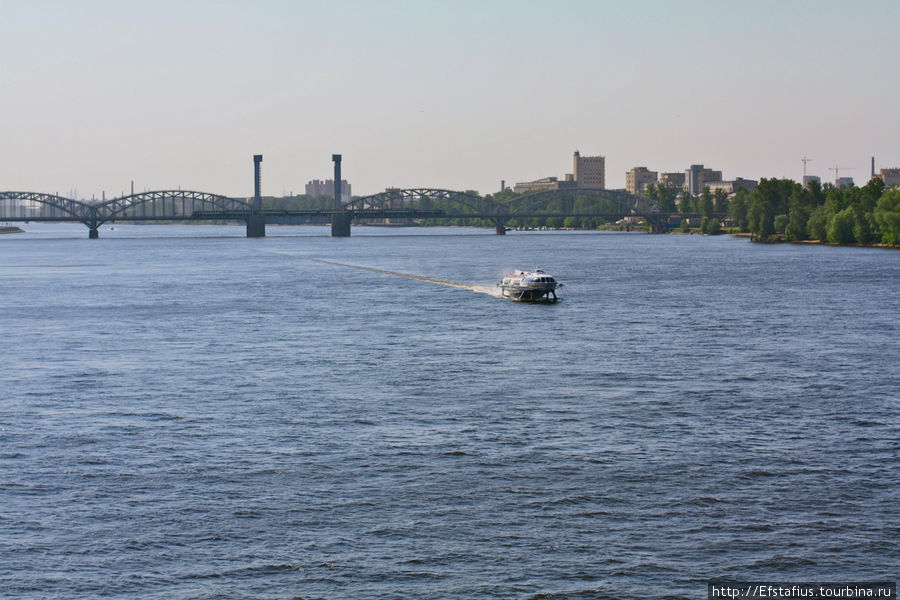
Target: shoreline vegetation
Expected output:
[784,211]
[777,211]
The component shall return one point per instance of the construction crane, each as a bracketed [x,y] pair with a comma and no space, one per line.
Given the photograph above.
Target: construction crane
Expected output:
[805,160]
[836,169]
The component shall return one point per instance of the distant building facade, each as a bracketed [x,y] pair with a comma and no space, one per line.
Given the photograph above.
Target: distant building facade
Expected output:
[692,178]
[890,177]
[843,182]
[639,178]
[675,180]
[698,177]
[538,185]
[730,187]
[708,177]
[807,179]
[316,188]
[589,171]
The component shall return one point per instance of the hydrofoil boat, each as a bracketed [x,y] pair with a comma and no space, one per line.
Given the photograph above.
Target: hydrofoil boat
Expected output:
[529,286]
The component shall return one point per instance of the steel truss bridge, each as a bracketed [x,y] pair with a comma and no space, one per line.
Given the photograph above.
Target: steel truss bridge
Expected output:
[394,205]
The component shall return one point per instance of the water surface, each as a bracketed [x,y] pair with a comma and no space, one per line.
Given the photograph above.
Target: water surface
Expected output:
[187,413]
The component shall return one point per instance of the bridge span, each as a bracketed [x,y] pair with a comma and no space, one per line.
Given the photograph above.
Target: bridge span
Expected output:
[392,205]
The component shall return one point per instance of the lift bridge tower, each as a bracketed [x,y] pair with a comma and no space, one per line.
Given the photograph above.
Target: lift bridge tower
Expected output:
[256,223]
[340,220]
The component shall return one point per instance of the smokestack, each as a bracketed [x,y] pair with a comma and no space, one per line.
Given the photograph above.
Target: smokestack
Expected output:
[873,167]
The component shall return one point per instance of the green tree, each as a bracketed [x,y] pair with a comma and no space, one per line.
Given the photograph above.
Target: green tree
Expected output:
[760,218]
[887,216]
[816,195]
[737,209]
[706,202]
[770,198]
[870,194]
[686,204]
[862,226]
[817,226]
[836,200]
[794,231]
[840,227]
[780,223]
[761,212]
[685,226]
[721,200]
[506,195]
[666,195]
[714,227]
[798,216]
[704,225]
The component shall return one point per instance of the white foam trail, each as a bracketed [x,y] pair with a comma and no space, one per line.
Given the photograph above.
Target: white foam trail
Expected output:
[479,289]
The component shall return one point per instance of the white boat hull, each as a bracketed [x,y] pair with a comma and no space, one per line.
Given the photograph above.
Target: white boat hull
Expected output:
[535,294]
[534,286]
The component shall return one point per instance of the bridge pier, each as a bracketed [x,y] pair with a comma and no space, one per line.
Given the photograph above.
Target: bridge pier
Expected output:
[93,234]
[340,224]
[658,226]
[256,226]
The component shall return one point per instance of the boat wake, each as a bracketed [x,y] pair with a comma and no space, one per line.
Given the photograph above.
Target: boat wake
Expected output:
[478,289]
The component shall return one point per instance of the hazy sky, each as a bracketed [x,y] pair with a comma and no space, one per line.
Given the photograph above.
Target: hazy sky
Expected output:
[455,94]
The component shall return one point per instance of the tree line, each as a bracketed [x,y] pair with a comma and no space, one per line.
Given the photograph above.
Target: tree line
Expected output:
[780,209]
[777,210]
[783,210]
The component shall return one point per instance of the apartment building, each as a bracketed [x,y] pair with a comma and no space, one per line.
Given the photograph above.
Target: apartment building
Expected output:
[317,187]
[675,180]
[639,178]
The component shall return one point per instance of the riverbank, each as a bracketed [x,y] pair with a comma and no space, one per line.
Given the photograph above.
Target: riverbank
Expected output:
[780,240]
[5,229]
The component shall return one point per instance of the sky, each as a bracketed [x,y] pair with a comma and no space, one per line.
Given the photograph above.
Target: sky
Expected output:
[455,94]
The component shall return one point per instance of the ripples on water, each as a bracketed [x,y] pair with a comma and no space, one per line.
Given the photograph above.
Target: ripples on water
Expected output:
[189,415]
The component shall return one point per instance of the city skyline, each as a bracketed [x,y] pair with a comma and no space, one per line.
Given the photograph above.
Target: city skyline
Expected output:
[449,95]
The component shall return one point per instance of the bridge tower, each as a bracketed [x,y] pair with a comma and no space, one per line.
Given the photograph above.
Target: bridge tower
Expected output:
[256,223]
[340,220]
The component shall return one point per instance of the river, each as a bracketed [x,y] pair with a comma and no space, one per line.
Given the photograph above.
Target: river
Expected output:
[188,413]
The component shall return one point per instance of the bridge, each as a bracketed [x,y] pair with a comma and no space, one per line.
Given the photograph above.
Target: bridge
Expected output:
[392,205]
[558,203]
